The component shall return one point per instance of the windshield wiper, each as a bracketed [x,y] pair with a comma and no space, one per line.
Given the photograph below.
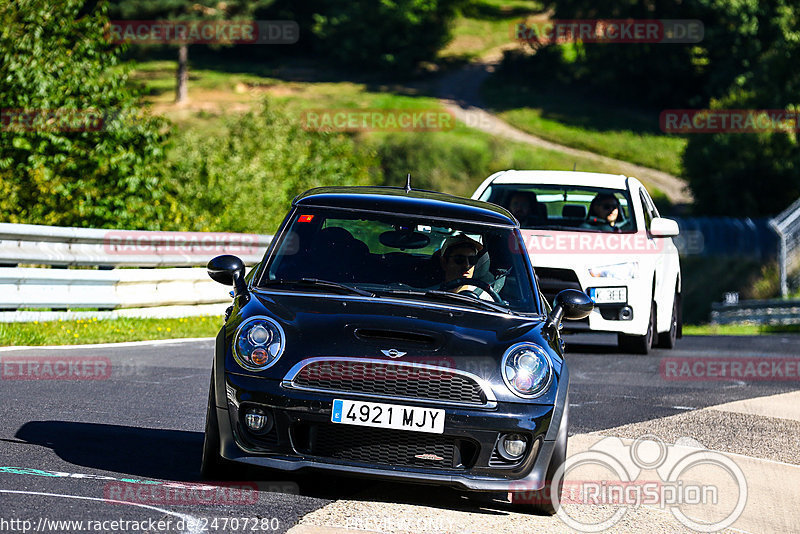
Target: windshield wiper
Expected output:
[472,300]
[446,295]
[316,282]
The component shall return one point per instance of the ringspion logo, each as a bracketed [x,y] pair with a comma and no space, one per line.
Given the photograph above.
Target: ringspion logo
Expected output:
[692,483]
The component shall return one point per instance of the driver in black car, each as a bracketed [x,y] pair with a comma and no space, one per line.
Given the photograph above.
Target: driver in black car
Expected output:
[458,257]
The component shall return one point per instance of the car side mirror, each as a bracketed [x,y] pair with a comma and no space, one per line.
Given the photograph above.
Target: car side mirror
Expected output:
[570,304]
[663,227]
[228,270]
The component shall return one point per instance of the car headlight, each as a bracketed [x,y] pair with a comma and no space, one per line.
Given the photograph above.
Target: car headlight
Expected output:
[258,343]
[620,271]
[527,370]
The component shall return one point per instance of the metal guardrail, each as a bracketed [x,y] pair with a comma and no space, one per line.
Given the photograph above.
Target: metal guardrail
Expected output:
[771,312]
[45,289]
[31,244]
[787,225]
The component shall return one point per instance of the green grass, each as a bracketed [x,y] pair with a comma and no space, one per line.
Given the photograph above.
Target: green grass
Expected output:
[462,157]
[567,116]
[485,26]
[81,331]
[738,329]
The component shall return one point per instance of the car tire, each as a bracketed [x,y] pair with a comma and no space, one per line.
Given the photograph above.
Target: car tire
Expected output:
[212,465]
[640,344]
[540,502]
[666,340]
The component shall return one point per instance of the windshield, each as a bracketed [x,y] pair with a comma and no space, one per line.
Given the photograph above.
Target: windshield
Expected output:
[390,255]
[563,207]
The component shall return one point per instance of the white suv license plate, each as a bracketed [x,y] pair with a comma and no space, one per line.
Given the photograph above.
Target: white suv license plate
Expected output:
[379,415]
[608,295]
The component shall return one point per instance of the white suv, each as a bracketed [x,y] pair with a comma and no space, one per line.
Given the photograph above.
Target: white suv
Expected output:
[602,234]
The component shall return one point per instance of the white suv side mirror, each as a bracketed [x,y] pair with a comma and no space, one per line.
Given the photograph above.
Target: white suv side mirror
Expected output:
[662,227]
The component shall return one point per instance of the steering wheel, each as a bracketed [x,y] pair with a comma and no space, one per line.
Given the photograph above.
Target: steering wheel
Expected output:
[452,284]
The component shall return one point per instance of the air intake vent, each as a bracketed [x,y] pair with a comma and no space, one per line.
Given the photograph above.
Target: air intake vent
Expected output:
[395,336]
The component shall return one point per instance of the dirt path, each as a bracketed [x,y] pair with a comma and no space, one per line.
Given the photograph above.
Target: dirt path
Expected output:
[459,93]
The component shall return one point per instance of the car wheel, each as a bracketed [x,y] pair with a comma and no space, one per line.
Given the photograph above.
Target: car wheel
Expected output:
[212,466]
[540,502]
[666,340]
[640,344]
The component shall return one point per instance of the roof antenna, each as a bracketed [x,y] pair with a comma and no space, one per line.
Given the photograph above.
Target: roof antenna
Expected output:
[408,183]
[574,166]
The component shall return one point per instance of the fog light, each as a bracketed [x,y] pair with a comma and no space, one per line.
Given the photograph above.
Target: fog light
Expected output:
[625,313]
[512,446]
[256,420]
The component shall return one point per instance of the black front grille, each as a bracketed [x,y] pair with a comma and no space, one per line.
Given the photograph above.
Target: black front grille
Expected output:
[391,380]
[551,281]
[384,446]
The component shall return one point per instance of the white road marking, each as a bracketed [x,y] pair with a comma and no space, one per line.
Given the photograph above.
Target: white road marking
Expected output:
[192,523]
[111,345]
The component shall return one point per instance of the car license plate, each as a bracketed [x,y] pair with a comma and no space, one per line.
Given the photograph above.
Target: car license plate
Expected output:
[607,295]
[374,414]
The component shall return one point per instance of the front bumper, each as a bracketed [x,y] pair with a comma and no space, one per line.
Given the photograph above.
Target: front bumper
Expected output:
[294,412]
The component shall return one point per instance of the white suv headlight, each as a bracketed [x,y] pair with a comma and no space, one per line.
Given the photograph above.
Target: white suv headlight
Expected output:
[620,271]
[258,343]
[527,370]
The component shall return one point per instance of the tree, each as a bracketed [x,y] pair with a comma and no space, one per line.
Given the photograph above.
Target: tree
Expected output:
[384,34]
[74,147]
[180,10]
[754,174]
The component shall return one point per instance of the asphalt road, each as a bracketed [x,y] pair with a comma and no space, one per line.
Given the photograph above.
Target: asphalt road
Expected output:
[68,449]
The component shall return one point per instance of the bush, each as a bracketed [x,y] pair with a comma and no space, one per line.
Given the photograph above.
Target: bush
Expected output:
[243,179]
[742,175]
[436,161]
[55,58]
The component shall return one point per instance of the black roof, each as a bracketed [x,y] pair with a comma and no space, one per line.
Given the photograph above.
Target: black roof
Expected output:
[413,202]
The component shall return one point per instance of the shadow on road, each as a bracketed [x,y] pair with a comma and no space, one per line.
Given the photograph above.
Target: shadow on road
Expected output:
[175,455]
[143,452]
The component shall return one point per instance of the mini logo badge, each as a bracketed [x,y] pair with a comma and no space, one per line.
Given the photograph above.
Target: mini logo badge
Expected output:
[393,353]
[429,457]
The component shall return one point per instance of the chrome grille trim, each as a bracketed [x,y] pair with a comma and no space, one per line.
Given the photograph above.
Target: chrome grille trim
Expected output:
[483,385]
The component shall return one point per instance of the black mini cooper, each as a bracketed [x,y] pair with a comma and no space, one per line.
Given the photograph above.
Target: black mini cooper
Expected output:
[393,333]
